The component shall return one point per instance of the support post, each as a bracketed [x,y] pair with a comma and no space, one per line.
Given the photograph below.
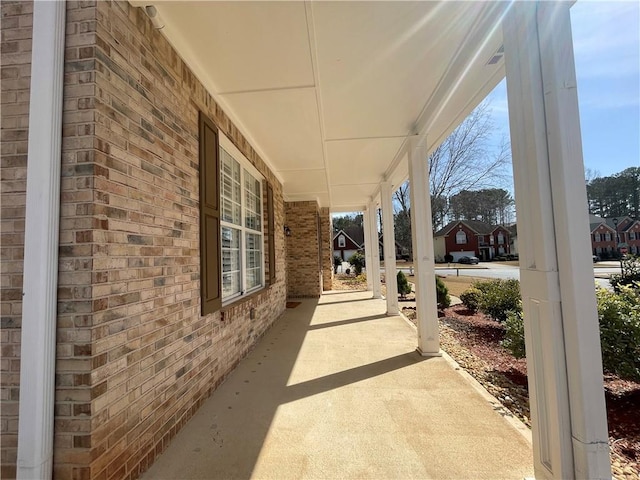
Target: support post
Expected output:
[40,282]
[561,325]
[389,241]
[367,249]
[423,260]
[375,250]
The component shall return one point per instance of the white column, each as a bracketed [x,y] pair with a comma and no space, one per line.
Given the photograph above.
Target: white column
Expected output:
[367,249]
[388,238]
[38,342]
[375,250]
[561,324]
[422,241]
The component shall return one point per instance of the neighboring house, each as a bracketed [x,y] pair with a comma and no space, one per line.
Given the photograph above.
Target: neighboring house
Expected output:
[471,237]
[348,241]
[612,235]
[402,253]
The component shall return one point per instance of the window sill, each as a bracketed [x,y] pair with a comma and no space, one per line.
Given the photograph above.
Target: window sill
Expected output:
[227,308]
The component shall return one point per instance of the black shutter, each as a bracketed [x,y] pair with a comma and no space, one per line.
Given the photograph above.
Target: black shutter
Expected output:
[210,287]
[272,235]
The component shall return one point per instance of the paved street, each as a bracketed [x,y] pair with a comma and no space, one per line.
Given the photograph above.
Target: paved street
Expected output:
[497,270]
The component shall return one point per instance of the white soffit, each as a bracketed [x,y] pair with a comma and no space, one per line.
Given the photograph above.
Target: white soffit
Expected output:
[360,161]
[246,45]
[379,62]
[384,70]
[274,111]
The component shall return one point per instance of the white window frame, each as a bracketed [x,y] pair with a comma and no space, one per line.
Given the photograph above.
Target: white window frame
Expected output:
[632,235]
[245,167]
[607,237]
[500,239]
[459,237]
[342,241]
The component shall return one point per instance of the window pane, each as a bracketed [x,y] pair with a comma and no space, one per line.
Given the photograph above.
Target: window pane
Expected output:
[231,264]
[230,188]
[253,203]
[254,260]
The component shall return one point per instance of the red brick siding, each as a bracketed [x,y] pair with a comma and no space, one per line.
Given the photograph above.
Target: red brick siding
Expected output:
[470,246]
[135,358]
[303,279]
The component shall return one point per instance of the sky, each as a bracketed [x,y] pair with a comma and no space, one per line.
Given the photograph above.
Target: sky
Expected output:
[606,38]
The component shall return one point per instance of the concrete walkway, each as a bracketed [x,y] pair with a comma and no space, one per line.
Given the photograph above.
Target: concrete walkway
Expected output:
[336,390]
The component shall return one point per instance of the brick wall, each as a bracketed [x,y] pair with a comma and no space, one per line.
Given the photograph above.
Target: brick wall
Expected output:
[135,358]
[327,248]
[303,254]
[16,76]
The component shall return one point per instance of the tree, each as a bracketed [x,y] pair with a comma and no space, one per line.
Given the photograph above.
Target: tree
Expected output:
[404,288]
[615,196]
[489,205]
[465,161]
[344,221]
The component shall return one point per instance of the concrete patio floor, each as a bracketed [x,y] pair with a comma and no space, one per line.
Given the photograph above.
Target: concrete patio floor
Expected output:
[336,390]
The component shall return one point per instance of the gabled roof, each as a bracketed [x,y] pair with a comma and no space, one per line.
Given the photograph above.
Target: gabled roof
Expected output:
[354,233]
[621,220]
[480,228]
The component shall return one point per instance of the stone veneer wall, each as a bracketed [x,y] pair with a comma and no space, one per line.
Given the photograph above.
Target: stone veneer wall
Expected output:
[327,248]
[15,57]
[303,254]
[135,358]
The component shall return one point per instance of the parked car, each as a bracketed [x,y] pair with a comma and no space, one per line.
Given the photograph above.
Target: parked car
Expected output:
[469,260]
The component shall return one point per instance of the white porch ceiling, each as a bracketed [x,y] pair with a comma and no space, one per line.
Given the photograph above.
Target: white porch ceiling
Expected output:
[328,92]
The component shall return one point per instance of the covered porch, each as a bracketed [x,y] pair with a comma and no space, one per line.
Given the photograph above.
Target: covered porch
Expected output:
[336,390]
[331,106]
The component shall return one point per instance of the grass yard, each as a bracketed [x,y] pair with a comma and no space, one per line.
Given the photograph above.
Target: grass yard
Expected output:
[457,285]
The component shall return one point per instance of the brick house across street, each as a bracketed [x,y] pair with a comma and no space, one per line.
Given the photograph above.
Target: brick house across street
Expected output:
[471,237]
[169,172]
[613,236]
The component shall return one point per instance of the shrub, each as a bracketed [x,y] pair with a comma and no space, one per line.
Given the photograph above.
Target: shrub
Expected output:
[630,274]
[514,334]
[499,297]
[442,294]
[403,285]
[337,262]
[619,317]
[357,260]
[471,298]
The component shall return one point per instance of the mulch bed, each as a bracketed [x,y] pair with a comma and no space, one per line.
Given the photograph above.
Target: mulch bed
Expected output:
[473,340]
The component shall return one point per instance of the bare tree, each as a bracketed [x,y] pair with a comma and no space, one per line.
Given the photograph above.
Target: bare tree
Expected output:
[465,161]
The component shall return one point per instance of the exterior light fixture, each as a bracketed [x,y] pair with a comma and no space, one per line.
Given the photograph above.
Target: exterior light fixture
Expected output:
[287,231]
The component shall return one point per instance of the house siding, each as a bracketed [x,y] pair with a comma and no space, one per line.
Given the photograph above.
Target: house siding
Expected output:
[15,57]
[303,250]
[134,357]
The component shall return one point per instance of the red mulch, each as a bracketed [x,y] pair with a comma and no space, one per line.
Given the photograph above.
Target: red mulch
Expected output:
[482,335]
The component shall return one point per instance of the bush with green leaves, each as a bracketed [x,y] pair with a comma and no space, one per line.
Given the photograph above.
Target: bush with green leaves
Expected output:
[514,334]
[471,298]
[499,297]
[619,317]
[442,294]
[358,262]
[403,285]
[630,275]
[337,262]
